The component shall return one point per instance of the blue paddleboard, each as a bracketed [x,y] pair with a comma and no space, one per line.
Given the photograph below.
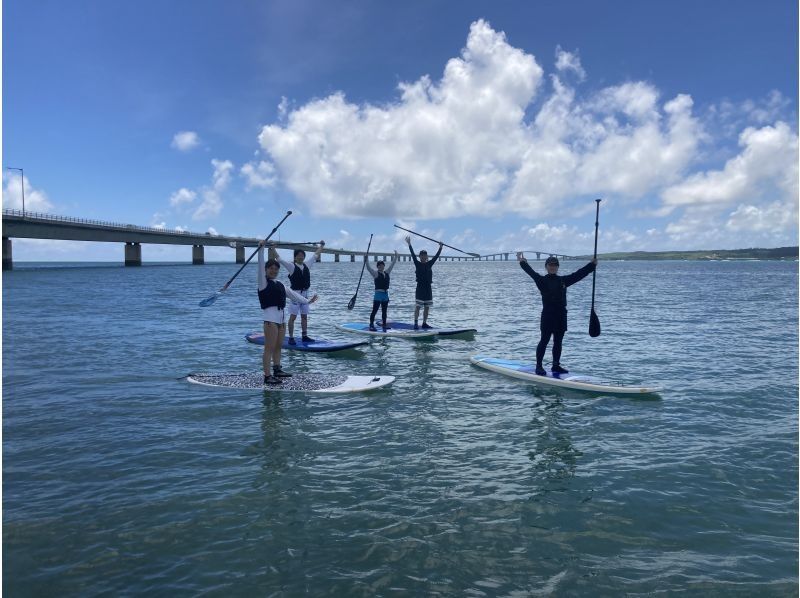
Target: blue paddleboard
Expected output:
[439,331]
[318,346]
[525,370]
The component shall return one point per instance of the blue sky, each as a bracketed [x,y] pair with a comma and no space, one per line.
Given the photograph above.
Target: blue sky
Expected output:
[491,125]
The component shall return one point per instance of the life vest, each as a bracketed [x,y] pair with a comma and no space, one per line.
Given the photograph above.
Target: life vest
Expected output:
[273,295]
[382,281]
[300,278]
[554,292]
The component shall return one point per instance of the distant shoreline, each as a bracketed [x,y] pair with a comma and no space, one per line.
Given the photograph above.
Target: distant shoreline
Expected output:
[778,253]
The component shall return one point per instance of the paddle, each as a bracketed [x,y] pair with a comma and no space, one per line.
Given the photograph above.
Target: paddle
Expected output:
[352,303]
[435,241]
[218,294]
[594,321]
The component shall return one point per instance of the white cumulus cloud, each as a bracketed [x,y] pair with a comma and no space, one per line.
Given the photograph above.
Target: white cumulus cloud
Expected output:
[259,175]
[182,196]
[36,200]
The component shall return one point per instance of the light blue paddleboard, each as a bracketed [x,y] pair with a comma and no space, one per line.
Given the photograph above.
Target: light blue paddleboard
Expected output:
[525,370]
[439,331]
[363,328]
[315,346]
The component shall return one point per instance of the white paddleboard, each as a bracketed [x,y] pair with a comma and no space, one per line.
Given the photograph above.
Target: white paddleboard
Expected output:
[526,371]
[363,328]
[299,382]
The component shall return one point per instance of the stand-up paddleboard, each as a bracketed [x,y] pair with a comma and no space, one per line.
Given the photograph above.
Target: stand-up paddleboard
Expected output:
[315,346]
[526,371]
[300,382]
[439,331]
[363,328]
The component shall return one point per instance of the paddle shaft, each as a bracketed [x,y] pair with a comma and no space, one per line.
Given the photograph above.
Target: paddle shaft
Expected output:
[252,255]
[353,300]
[435,241]
[596,224]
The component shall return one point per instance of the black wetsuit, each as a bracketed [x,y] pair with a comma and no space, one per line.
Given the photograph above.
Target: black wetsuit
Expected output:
[424,275]
[554,307]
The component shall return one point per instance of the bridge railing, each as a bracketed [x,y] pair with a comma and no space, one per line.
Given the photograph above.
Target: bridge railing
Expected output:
[56,218]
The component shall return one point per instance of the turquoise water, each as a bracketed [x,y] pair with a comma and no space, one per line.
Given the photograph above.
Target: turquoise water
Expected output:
[119,478]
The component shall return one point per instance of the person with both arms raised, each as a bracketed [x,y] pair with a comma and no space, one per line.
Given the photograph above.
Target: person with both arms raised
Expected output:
[554,307]
[424,293]
[300,282]
[381,297]
[272,297]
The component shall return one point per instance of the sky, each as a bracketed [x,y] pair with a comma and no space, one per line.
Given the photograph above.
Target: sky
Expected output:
[492,126]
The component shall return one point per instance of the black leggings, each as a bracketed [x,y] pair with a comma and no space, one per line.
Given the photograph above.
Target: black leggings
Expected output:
[383,305]
[558,337]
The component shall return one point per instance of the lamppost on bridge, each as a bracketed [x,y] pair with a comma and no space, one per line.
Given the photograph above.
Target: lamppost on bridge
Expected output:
[22,177]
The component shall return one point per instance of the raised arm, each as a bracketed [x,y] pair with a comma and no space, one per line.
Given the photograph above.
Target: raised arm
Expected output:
[579,274]
[528,270]
[312,259]
[411,251]
[438,253]
[262,275]
[394,261]
[369,268]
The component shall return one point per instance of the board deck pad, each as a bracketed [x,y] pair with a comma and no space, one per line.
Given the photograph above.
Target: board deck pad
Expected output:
[299,382]
[525,370]
[316,346]
[363,328]
[439,331]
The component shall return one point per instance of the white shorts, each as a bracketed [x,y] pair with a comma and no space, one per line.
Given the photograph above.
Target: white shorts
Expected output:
[273,314]
[298,308]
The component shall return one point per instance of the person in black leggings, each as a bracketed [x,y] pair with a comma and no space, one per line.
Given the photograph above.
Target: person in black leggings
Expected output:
[381,297]
[554,307]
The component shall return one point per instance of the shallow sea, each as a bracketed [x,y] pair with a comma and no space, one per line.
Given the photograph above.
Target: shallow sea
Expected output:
[121,479]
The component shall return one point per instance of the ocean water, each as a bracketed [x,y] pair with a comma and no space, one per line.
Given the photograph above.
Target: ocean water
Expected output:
[121,479]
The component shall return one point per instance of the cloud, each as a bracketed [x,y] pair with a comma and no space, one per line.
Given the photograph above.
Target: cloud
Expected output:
[259,175]
[568,61]
[212,203]
[185,141]
[35,199]
[182,196]
[462,146]
[492,136]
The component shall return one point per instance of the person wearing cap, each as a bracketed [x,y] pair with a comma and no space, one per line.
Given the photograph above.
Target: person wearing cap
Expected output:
[424,293]
[272,297]
[554,307]
[381,297]
[300,282]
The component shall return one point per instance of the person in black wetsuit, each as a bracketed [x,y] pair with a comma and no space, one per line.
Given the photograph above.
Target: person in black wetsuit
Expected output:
[554,307]
[424,293]
[381,297]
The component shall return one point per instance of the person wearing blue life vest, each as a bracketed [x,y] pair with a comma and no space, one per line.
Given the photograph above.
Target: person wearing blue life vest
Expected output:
[272,297]
[300,282]
[554,307]
[424,294]
[381,297]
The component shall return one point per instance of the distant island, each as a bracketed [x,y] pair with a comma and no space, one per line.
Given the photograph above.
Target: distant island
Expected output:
[778,253]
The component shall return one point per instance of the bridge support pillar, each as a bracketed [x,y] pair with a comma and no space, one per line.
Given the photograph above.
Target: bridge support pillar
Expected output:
[336,257]
[133,254]
[8,263]
[198,255]
[352,257]
[538,255]
[240,254]
[506,256]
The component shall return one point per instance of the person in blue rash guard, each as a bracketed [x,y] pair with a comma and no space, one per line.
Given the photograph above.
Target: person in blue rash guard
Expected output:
[554,307]
[299,281]
[424,294]
[381,297]
[272,297]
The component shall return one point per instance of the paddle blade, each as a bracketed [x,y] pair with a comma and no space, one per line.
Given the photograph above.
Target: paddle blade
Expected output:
[210,300]
[352,303]
[594,324]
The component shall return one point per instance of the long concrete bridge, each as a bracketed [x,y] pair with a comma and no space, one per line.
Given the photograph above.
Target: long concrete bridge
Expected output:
[31,225]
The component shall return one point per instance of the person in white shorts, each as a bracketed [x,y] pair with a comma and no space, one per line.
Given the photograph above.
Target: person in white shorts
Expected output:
[272,297]
[300,282]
